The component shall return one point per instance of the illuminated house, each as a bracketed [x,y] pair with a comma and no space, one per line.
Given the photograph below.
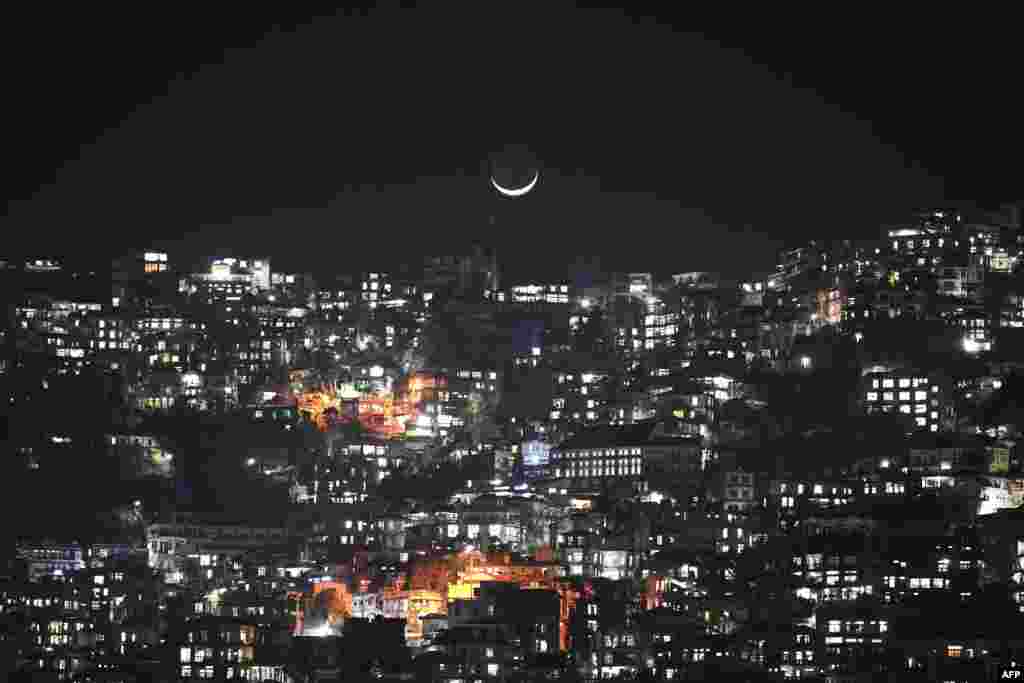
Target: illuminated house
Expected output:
[195,551]
[218,648]
[101,619]
[490,519]
[580,393]
[661,325]
[141,455]
[534,456]
[531,615]
[370,460]
[604,456]
[633,285]
[480,651]
[376,289]
[281,333]
[51,559]
[923,245]
[961,280]
[229,281]
[334,305]
[64,329]
[587,549]
[924,398]
[837,567]
[696,280]
[537,293]
[851,638]
[738,491]
[55,637]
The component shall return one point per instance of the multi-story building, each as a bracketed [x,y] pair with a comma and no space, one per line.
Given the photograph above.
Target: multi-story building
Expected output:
[538,293]
[193,551]
[924,398]
[602,457]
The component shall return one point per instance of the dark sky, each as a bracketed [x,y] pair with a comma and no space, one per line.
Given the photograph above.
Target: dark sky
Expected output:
[355,139]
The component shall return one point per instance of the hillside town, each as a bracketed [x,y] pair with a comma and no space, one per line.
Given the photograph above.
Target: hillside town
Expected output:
[432,474]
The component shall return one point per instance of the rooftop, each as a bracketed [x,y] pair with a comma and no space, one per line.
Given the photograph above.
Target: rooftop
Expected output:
[647,433]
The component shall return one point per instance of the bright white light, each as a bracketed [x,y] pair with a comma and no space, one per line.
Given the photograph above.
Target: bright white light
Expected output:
[321,631]
[585,303]
[495,482]
[516,191]
[535,350]
[250,462]
[971,345]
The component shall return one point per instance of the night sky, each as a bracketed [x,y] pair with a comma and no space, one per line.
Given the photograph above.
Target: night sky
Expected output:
[358,139]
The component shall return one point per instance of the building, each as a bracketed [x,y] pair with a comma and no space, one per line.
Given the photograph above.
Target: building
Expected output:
[602,457]
[924,398]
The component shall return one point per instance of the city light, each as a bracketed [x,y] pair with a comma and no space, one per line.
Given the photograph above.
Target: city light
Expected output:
[972,345]
[322,631]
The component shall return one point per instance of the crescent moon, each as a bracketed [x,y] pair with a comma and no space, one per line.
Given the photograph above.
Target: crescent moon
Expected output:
[516,191]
